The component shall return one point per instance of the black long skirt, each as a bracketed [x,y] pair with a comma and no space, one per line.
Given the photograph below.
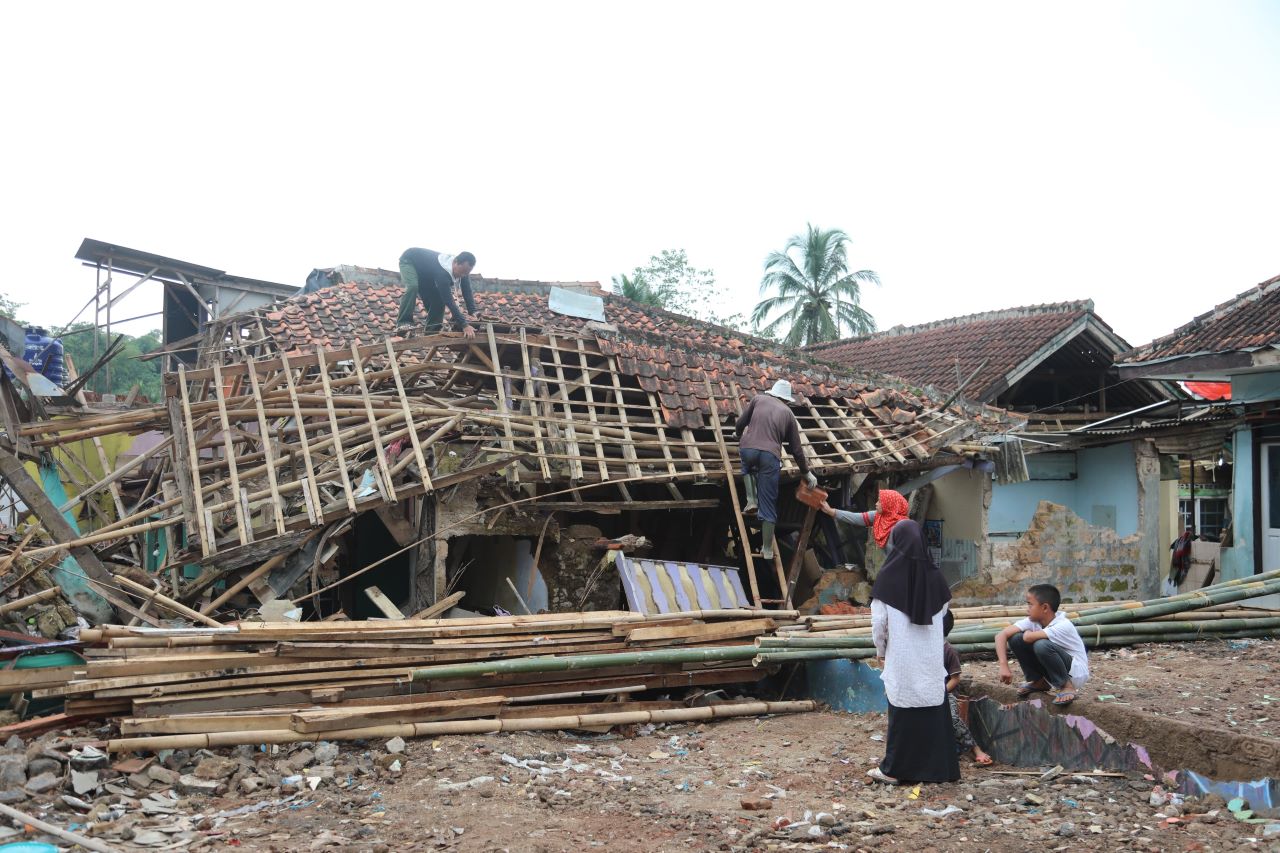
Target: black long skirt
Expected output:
[921,745]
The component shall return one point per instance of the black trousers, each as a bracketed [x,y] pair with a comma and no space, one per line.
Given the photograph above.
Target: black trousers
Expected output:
[1042,660]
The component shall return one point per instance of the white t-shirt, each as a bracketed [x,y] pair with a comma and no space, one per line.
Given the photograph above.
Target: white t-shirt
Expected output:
[1063,634]
[914,675]
[446,263]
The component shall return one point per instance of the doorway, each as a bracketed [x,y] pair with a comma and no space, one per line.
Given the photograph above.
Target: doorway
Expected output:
[1270,532]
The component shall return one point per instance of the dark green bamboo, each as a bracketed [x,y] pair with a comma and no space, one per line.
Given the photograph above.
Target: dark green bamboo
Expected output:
[562,663]
[775,655]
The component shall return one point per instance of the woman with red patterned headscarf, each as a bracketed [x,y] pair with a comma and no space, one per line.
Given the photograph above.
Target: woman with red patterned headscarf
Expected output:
[890,509]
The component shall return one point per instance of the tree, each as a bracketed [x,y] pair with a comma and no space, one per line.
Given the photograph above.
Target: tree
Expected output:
[126,369]
[814,290]
[637,289]
[9,307]
[672,283]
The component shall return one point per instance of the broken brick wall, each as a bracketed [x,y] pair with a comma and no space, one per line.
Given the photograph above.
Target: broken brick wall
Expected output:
[1085,562]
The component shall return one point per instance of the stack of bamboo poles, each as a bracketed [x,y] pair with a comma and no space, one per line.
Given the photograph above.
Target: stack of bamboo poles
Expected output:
[288,682]
[1208,613]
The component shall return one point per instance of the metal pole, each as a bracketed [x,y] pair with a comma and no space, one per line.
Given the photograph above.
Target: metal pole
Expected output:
[97,293]
[106,368]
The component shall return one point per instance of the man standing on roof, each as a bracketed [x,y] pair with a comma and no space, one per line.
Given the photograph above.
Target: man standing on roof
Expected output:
[431,276]
[762,429]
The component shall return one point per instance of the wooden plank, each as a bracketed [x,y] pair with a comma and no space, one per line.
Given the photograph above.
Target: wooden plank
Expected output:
[228,446]
[379,449]
[33,495]
[383,603]
[575,453]
[638,506]
[311,491]
[831,436]
[347,492]
[201,723]
[591,411]
[504,408]
[733,492]
[400,529]
[424,470]
[198,522]
[628,449]
[530,392]
[415,712]
[701,632]
[268,454]
[797,560]
[121,603]
[440,607]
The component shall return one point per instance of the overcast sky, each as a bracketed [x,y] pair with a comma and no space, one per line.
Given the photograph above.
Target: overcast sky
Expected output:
[981,156]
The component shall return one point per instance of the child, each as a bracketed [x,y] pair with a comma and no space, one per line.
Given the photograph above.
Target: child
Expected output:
[1048,648]
[951,660]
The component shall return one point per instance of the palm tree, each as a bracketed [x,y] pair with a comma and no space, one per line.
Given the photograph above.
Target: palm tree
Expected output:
[815,291]
[637,289]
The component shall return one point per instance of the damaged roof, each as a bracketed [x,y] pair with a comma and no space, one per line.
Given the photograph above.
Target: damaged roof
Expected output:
[1250,321]
[668,354]
[998,345]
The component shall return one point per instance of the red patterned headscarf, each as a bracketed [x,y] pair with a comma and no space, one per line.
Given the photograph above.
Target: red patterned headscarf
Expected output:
[891,509]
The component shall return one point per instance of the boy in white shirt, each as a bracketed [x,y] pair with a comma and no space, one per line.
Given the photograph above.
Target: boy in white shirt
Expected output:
[1048,648]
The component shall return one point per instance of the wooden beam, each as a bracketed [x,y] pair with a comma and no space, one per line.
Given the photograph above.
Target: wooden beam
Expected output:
[587,506]
[33,495]
[383,603]
[713,407]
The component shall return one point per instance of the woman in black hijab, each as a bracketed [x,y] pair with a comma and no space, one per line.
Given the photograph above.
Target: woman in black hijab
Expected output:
[908,602]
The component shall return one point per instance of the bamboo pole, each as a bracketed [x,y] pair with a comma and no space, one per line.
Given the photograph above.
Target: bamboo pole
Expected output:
[577,662]
[87,843]
[266,567]
[773,655]
[483,726]
[1172,629]
[28,600]
[165,601]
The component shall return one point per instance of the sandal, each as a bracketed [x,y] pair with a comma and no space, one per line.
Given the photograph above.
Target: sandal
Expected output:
[1028,687]
[880,776]
[1065,698]
[983,760]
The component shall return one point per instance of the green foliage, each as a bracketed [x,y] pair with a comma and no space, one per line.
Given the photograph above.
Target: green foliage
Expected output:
[9,308]
[670,282]
[126,370]
[816,294]
[637,289]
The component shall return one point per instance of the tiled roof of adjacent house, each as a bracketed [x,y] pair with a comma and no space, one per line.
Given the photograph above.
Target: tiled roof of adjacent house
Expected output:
[942,354]
[669,354]
[1249,321]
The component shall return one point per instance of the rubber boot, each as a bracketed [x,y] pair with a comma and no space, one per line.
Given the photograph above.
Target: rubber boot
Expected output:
[766,551]
[749,485]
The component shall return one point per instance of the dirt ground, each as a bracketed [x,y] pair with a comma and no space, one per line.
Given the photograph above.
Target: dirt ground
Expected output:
[1185,681]
[684,787]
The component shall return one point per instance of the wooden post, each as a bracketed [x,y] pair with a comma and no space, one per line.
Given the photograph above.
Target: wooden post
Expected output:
[802,545]
[38,502]
[193,452]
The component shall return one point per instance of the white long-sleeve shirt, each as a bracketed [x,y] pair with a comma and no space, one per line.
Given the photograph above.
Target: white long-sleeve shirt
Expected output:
[914,674]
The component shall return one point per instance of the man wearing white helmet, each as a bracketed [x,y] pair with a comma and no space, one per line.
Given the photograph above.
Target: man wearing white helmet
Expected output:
[764,426]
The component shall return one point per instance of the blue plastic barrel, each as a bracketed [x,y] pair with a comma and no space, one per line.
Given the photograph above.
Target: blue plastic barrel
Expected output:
[45,354]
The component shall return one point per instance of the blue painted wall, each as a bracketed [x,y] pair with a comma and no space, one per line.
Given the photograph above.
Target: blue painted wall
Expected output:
[1237,560]
[1105,477]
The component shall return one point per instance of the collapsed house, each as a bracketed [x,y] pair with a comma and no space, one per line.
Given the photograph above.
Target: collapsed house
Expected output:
[1235,344]
[1098,504]
[307,457]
